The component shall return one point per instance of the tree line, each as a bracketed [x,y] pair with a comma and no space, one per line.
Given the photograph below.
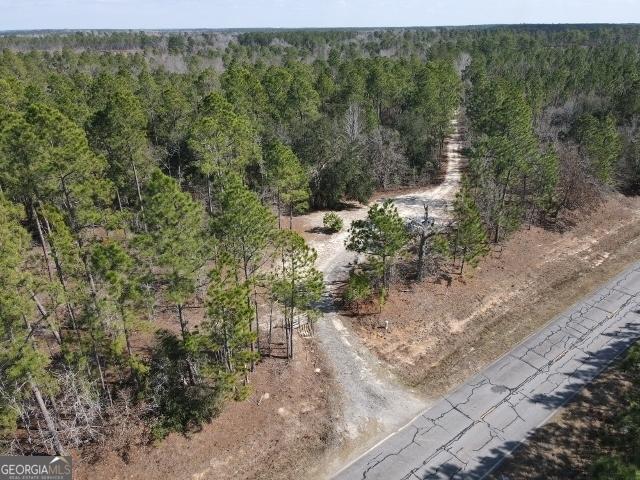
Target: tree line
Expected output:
[147,251]
[552,125]
[552,117]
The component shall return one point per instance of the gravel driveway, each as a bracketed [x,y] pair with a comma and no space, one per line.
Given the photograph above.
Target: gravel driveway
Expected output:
[373,402]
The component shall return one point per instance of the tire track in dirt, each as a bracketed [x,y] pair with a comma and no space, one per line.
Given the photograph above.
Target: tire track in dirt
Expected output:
[372,400]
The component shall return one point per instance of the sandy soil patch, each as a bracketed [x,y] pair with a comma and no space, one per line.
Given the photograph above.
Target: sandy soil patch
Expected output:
[442,334]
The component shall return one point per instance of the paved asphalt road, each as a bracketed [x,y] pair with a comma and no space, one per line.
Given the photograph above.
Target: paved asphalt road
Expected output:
[466,434]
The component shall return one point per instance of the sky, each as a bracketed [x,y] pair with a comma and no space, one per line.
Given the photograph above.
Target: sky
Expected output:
[156,14]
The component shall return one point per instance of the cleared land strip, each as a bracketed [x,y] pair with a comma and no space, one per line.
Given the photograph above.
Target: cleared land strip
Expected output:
[372,401]
[468,432]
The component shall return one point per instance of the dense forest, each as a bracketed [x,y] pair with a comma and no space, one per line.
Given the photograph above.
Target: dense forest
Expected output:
[149,180]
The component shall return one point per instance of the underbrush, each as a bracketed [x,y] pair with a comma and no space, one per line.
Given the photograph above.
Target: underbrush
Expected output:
[623,435]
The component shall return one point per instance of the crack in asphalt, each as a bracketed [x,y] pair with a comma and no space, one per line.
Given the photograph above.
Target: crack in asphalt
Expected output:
[568,340]
[364,474]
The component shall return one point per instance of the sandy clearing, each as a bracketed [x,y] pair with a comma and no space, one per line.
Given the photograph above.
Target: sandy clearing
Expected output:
[373,402]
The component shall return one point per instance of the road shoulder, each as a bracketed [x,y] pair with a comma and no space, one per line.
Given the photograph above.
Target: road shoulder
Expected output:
[442,334]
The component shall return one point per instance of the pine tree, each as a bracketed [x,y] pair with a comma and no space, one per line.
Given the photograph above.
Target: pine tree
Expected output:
[174,245]
[545,174]
[507,158]
[298,286]
[246,230]
[48,162]
[124,297]
[302,98]
[381,236]
[118,131]
[169,109]
[57,177]
[228,324]
[23,367]
[471,237]
[290,180]
[243,90]
[223,142]
[602,144]
[11,94]
[277,82]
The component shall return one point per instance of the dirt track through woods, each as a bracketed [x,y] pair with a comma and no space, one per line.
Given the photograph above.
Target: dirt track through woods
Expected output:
[373,402]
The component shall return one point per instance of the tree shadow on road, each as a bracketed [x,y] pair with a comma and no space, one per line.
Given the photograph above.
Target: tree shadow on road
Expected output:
[561,450]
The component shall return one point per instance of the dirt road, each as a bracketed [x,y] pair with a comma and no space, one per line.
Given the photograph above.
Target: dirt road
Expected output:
[373,402]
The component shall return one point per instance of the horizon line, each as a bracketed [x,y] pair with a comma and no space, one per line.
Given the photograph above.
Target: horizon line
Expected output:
[322,28]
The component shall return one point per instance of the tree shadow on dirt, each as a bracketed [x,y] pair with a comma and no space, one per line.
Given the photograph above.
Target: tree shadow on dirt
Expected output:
[321,230]
[561,224]
[345,206]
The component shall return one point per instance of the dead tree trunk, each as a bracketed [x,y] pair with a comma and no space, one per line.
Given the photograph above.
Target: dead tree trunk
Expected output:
[139,192]
[125,329]
[422,243]
[209,195]
[55,437]
[496,233]
[185,333]
[270,324]
[36,218]
[291,216]
[45,315]
[279,210]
